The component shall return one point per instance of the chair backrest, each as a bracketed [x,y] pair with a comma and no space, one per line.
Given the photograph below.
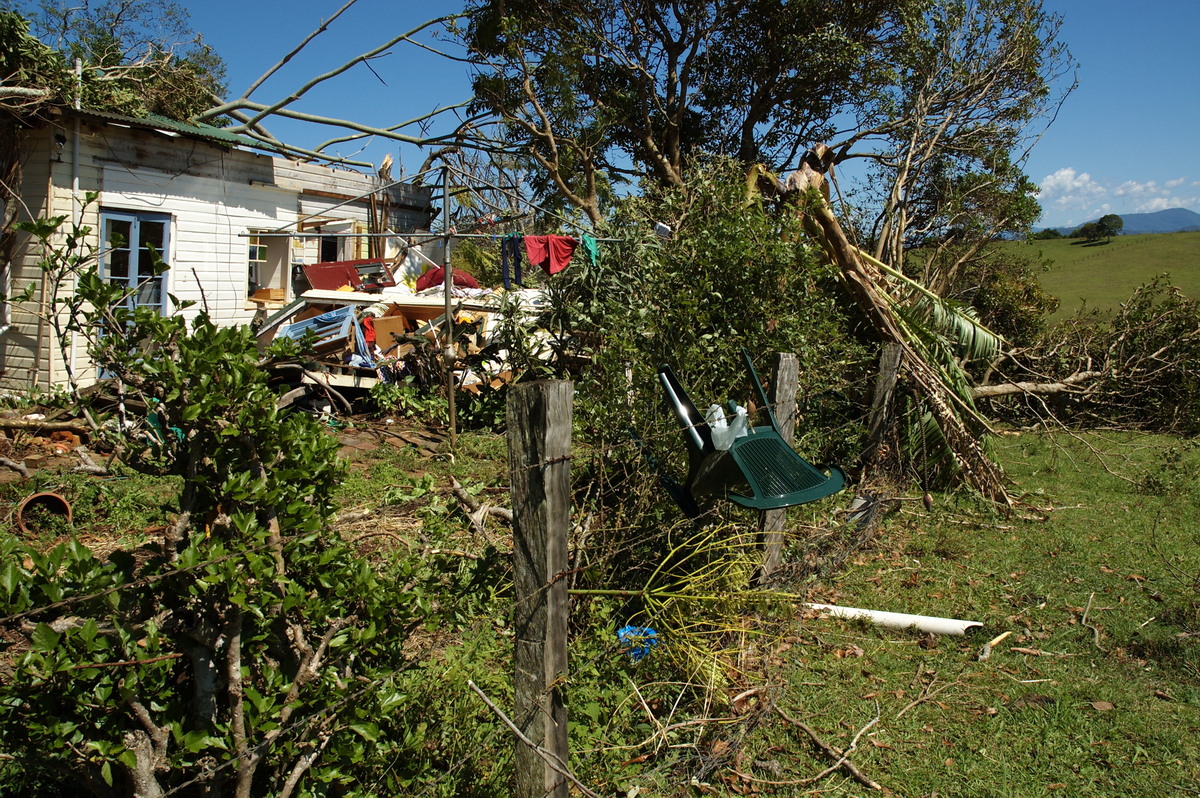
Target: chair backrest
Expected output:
[695,429]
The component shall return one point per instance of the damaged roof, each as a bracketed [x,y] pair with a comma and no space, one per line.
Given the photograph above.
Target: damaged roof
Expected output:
[171,127]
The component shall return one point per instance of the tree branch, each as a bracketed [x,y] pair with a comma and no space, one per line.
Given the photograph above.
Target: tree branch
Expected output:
[841,758]
[1040,388]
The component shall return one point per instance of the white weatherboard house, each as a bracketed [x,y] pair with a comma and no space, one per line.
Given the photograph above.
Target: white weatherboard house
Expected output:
[231,223]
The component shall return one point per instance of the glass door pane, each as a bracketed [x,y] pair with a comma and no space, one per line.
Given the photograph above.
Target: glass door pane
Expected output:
[116,249]
[132,243]
[152,237]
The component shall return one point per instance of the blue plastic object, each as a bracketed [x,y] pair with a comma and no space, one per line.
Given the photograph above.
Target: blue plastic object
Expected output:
[638,640]
[334,324]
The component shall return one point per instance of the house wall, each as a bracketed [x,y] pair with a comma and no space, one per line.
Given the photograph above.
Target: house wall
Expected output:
[207,248]
[25,347]
[214,196]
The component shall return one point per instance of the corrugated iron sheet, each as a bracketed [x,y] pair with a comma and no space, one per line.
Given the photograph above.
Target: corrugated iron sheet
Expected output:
[156,122]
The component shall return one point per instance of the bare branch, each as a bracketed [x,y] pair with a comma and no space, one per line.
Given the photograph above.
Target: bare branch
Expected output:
[1042,388]
[267,110]
[841,758]
[551,759]
[302,765]
[296,50]
[20,468]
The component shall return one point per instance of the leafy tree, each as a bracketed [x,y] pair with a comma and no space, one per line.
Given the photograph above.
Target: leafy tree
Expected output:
[940,94]
[971,82]
[1049,234]
[586,87]
[686,303]
[33,72]
[137,56]
[1110,225]
[1088,232]
[1139,369]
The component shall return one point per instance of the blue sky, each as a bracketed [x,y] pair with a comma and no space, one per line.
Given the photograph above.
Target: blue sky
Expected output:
[404,83]
[1127,140]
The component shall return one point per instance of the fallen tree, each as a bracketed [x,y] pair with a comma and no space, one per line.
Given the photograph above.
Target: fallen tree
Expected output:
[906,315]
[1139,370]
[1071,383]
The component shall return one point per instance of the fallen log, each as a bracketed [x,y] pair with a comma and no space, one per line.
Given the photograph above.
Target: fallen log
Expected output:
[1039,388]
[34,425]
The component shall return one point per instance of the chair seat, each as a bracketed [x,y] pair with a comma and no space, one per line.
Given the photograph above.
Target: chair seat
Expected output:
[776,475]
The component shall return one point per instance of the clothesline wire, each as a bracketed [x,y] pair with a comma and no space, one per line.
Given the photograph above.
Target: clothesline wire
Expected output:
[284,230]
[514,195]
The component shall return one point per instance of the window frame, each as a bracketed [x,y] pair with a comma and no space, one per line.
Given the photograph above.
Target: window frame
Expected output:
[135,219]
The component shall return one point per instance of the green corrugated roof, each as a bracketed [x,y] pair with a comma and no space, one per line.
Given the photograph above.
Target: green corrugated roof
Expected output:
[157,122]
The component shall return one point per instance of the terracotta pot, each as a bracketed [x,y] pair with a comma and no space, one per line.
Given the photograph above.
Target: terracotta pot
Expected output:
[50,502]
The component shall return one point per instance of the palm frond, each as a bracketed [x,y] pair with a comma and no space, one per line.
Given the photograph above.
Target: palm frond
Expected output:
[962,322]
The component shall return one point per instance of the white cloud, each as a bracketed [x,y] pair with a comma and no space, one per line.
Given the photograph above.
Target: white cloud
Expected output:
[1163,203]
[1071,197]
[1132,188]
[1067,188]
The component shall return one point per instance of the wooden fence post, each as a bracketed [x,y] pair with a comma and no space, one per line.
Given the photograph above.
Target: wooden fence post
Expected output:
[785,377]
[539,447]
[879,421]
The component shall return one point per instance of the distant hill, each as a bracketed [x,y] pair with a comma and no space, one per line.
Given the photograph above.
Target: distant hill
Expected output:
[1172,220]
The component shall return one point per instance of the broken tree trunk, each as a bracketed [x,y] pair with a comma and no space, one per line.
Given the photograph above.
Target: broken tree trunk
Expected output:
[34,425]
[868,284]
[1039,388]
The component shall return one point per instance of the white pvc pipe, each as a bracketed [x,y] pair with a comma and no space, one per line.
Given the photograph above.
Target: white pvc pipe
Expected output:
[900,620]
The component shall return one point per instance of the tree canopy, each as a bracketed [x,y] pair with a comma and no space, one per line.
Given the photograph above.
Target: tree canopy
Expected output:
[1110,225]
[139,57]
[599,90]
[939,94]
[1088,232]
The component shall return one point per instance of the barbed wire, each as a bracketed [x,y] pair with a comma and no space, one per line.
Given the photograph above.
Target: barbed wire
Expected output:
[639,442]
[602,450]
[637,445]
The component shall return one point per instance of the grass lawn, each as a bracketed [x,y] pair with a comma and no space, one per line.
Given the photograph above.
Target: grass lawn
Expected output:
[1096,691]
[1105,273]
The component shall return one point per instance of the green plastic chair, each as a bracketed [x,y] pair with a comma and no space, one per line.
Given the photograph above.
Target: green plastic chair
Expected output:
[759,470]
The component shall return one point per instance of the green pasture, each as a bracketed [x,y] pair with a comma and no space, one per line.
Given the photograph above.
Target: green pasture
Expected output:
[1103,274]
[1094,691]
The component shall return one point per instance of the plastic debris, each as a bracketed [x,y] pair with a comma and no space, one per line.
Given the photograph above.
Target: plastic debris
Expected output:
[638,641]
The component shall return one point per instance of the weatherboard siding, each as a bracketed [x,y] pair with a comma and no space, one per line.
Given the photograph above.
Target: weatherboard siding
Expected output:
[214,196]
[207,244]
[23,358]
